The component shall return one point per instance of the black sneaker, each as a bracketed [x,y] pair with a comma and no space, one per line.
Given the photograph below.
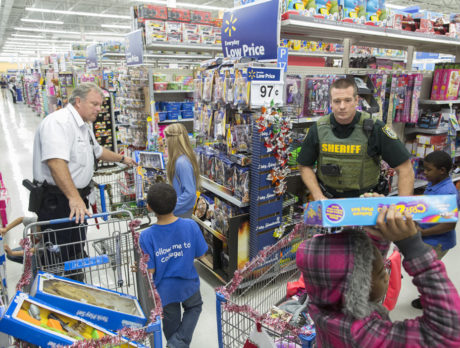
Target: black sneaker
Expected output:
[417,303]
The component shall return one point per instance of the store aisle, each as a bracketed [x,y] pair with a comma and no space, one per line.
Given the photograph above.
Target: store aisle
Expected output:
[18,124]
[17,128]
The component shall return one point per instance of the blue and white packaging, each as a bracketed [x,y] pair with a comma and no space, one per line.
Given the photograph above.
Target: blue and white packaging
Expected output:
[107,308]
[18,321]
[364,211]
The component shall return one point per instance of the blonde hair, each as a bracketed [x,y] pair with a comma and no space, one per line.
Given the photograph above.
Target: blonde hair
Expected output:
[179,144]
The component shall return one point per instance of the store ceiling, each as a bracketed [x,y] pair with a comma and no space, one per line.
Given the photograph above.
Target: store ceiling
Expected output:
[83,27]
[13,11]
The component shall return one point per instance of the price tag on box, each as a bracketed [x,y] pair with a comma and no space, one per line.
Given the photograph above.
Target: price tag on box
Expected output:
[266,86]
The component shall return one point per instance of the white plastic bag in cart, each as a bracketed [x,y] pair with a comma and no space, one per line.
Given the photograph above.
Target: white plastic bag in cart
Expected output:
[259,338]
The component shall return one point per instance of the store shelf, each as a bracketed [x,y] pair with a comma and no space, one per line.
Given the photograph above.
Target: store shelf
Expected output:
[221,191]
[184,48]
[172,92]
[176,121]
[438,102]
[337,55]
[426,130]
[216,234]
[207,265]
[316,29]
[417,184]
[306,119]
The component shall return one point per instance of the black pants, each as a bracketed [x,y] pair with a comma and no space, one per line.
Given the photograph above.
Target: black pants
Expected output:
[62,242]
[13,95]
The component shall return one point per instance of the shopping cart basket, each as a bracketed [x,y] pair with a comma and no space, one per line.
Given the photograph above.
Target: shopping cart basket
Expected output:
[116,190]
[250,296]
[102,254]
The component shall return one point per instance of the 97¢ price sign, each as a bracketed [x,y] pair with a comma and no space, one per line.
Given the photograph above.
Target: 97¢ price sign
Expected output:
[263,93]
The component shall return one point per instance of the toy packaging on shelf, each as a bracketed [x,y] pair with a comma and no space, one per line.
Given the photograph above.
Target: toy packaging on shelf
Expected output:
[106,308]
[446,81]
[364,211]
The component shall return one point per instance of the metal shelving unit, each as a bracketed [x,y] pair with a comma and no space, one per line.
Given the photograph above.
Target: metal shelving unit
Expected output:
[175,121]
[221,191]
[438,102]
[316,29]
[433,131]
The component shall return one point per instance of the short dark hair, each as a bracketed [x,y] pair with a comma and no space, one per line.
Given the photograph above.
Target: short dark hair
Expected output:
[440,159]
[162,198]
[344,83]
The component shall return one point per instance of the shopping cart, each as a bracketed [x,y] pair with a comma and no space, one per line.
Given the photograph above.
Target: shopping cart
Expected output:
[102,254]
[250,296]
[116,190]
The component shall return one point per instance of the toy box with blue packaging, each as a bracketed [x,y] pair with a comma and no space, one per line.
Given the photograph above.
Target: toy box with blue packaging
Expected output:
[375,10]
[37,322]
[107,308]
[364,211]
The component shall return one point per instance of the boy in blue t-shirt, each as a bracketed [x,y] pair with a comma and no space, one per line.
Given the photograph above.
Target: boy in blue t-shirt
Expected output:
[441,237]
[172,245]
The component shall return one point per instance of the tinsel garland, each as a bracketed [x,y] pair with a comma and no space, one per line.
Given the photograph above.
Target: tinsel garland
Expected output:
[277,142]
[26,277]
[239,275]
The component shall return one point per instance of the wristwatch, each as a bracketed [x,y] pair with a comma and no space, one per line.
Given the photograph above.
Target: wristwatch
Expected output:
[122,159]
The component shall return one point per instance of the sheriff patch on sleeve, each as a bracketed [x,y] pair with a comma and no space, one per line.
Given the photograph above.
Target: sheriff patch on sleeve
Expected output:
[389,132]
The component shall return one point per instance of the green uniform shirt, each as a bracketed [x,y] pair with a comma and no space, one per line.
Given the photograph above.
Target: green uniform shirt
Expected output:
[382,141]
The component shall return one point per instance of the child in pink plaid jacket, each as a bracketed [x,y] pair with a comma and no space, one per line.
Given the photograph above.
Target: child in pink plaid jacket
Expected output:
[346,280]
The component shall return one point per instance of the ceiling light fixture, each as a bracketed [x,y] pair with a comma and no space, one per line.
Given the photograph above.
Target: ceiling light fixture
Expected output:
[41,21]
[76,13]
[31,36]
[103,33]
[116,26]
[48,40]
[48,31]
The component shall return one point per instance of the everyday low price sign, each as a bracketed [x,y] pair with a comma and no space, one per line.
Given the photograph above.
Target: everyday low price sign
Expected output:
[252,31]
[266,86]
[134,48]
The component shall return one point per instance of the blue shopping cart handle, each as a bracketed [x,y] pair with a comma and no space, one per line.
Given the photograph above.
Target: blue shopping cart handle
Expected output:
[64,220]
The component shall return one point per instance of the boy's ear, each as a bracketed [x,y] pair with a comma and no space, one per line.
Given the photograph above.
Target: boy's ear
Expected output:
[148,208]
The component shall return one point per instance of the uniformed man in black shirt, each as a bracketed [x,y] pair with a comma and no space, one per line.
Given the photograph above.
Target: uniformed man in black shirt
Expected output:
[347,146]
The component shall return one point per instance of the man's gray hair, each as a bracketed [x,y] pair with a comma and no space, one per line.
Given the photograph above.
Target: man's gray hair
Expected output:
[82,91]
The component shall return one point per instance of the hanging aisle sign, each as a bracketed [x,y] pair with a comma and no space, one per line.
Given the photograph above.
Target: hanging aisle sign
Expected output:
[266,86]
[252,31]
[134,48]
[91,57]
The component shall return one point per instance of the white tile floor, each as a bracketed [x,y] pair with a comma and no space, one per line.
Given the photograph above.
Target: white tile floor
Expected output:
[17,128]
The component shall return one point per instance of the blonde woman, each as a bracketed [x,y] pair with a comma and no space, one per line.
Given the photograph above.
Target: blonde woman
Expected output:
[182,169]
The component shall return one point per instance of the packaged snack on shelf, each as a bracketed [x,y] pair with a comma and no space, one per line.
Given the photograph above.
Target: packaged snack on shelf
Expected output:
[43,324]
[107,308]
[364,211]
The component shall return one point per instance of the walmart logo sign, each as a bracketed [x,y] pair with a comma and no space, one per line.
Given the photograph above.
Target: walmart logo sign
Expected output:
[230,27]
[252,31]
[264,74]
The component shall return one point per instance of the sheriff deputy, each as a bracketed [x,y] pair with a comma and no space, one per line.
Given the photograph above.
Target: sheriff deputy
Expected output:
[348,146]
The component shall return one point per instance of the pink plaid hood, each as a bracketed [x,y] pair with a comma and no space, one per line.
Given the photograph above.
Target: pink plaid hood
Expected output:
[337,271]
